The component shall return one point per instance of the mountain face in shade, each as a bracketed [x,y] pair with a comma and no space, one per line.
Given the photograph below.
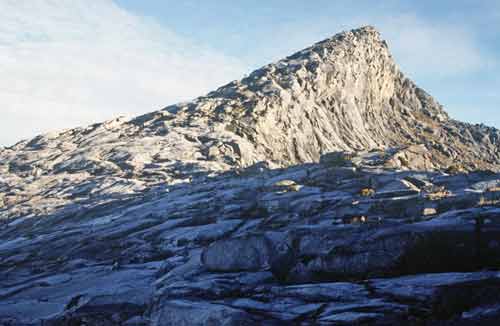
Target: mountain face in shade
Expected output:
[325,188]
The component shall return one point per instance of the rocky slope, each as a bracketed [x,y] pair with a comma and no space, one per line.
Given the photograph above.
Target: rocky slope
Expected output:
[325,188]
[345,93]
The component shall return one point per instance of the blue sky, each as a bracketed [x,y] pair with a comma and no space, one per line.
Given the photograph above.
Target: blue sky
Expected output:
[66,63]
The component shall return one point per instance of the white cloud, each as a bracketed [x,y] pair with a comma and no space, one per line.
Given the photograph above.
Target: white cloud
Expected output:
[71,62]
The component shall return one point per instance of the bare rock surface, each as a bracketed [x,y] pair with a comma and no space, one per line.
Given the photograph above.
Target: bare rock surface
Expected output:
[342,94]
[324,189]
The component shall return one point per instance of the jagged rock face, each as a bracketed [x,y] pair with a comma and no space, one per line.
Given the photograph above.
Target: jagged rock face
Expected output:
[345,93]
[310,192]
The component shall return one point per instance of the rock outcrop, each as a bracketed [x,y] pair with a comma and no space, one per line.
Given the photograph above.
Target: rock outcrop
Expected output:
[325,188]
[342,94]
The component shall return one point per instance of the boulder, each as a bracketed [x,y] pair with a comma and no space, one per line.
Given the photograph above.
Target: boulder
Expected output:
[188,313]
[239,254]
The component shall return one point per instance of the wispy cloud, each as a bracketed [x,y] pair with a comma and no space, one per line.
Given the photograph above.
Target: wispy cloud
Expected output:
[71,62]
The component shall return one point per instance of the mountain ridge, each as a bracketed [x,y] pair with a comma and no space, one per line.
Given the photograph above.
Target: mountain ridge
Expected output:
[267,99]
[345,93]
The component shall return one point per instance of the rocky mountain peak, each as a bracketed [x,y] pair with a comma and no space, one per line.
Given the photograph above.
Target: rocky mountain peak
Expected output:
[342,94]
